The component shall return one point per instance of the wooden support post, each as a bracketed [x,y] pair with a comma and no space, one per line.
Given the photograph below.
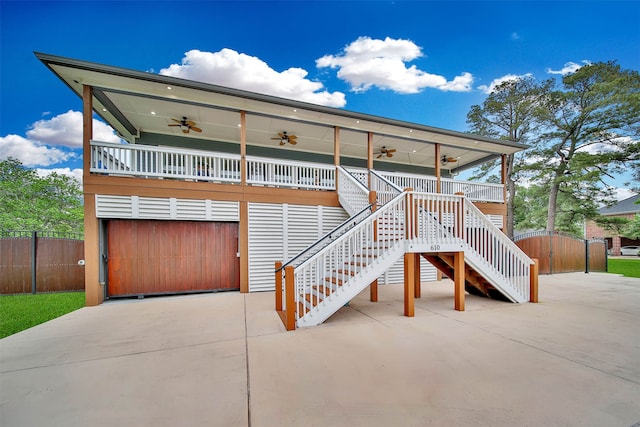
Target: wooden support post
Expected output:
[243,246]
[438,169]
[290,300]
[373,287]
[409,286]
[336,146]
[278,270]
[370,151]
[533,281]
[458,280]
[409,214]
[416,276]
[243,148]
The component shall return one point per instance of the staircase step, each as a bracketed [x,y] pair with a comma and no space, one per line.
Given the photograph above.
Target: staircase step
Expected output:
[322,289]
[348,272]
[334,280]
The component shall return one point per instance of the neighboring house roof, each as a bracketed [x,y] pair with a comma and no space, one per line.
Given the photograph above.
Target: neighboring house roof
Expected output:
[136,103]
[625,206]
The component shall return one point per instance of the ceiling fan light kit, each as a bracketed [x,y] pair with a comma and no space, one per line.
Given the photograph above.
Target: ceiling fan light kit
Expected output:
[185,125]
[284,137]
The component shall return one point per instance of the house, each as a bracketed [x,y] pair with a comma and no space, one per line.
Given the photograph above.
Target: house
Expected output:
[626,208]
[214,186]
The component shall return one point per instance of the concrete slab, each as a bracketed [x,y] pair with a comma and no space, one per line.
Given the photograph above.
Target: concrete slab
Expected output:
[226,360]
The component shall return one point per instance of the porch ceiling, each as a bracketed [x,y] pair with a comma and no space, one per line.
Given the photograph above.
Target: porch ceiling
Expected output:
[133,102]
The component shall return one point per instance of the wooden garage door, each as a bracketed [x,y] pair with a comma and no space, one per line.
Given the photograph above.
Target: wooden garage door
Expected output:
[160,257]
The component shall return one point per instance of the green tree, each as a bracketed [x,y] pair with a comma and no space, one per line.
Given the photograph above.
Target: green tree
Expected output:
[509,113]
[31,202]
[590,129]
[632,228]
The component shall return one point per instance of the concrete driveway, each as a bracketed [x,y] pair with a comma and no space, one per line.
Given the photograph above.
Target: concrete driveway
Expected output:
[225,360]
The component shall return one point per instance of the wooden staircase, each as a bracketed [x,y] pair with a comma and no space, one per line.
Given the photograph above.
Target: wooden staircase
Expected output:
[475,283]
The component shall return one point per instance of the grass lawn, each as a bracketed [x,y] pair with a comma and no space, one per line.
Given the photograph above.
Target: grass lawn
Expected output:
[20,312]
[627,267]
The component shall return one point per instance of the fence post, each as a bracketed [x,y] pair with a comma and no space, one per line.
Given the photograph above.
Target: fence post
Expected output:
[586,256]
[34,257]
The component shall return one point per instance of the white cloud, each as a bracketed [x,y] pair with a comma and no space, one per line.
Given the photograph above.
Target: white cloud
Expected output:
[73,173]
[66,130]
[622,193]
[238,70]
[31,153]
[370,62]
[569,68]
[497,82]
[42,145]
[515,36]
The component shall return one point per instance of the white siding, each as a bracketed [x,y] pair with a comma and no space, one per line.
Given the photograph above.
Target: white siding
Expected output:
[279,232]
[134,207]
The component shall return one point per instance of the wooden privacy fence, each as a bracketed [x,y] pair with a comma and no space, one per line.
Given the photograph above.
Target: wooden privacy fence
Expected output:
[562,253]
[32,262]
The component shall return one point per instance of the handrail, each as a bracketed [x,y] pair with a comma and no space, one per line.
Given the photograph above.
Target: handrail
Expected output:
[283,173]
[161,162]
[353,195]
[353,220]
[348,256]
[385,189]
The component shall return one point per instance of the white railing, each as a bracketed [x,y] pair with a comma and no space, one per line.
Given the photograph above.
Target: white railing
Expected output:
[475,191]
[283,173]
[385,189]
[200,165]
[164,162]
[342,269]
[353,195]
[419,183]
[446,220]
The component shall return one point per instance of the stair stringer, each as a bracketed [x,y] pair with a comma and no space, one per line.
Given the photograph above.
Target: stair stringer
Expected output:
[351,288]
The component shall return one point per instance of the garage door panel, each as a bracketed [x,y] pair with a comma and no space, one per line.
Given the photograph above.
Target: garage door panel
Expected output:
[157,257]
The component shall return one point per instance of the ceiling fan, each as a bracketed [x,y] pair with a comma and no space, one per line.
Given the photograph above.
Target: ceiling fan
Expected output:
[445,159]
[384,150]
[185,125]
[284,138]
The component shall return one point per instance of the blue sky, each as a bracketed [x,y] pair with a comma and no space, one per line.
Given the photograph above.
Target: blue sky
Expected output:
[420,61]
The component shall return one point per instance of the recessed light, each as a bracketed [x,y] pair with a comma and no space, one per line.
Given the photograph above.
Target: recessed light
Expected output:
[104,109]
[239,125]
[153,113]
[295,111]
[415,151]
[410,130]
[169,87]
[357,121]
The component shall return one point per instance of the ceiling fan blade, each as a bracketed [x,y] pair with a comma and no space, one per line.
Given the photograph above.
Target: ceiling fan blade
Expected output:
[185,130]
[276,139]
[282,135]
[195,129]
[379,155]
[176,120]
[282,142]
[389,154]
[173,125]
[292,136]
[189,123]
[293,141]
[393,150]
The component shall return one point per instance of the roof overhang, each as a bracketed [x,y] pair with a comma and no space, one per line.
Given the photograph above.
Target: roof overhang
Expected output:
[133,102]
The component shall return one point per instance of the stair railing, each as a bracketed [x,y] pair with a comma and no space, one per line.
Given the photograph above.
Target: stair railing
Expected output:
[332,235]
[328,273]
[497,250]
[384,188]
[448,220]
[353,195]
